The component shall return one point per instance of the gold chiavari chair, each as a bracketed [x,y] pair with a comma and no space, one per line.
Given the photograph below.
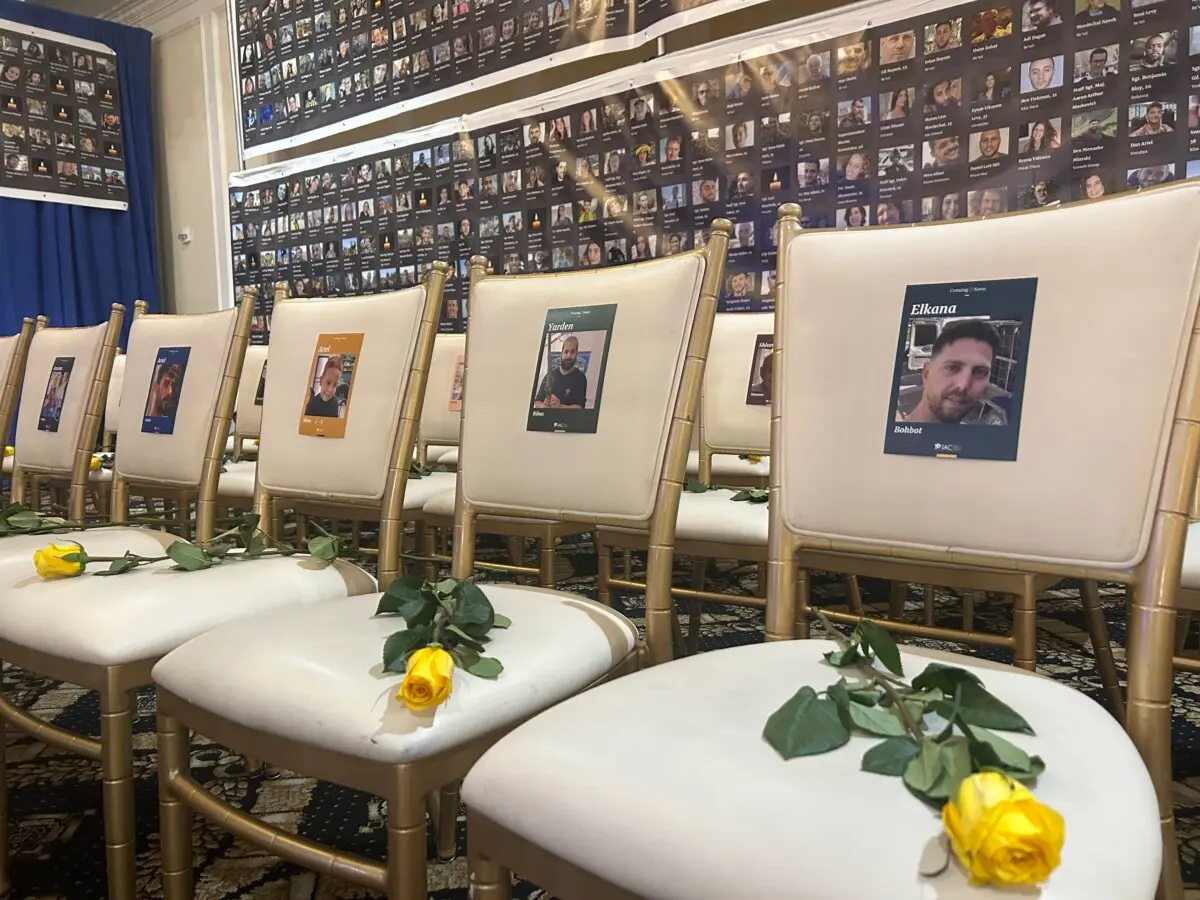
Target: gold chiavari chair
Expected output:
[67,373]
[14,350]
[105,634]
[439,437]
[311,696]
[675,825]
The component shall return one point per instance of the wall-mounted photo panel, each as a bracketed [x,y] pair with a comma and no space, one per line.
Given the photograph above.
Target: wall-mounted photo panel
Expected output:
[56,393]
[569,381]
[327,394]
[758,392]
[950,113]
[60,119]
[166,385]
[960,369]
[309,68]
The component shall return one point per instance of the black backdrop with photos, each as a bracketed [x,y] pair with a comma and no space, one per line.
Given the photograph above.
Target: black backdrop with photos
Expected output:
[60,120]
[304,64]
[972,110]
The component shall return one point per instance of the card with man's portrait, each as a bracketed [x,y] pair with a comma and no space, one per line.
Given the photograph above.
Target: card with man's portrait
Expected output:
[56,393]
[569,378]
[960,362]
[758,392]
[166,386]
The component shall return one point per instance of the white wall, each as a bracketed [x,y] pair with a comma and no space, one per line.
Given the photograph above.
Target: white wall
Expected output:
[196,147]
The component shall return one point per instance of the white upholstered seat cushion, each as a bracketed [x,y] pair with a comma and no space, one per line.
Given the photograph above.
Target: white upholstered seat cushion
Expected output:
[711,794]
[441,456]
[151,610]
[237,480]
[727,465]
[419,491]
[8,464]
[318,678]
[441,504]
[16,551]
[714,517]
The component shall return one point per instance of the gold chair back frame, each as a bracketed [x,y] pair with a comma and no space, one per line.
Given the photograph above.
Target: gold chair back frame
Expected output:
[1154,580]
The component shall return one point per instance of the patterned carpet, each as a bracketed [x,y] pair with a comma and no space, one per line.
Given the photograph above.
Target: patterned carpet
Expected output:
[57,831]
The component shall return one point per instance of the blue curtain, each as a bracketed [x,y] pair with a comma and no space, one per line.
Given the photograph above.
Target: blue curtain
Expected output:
[71,263]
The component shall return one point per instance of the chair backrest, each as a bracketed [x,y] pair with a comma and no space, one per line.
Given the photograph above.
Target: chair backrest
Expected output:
[441,413]
[729,421]
[62,400]
[987,392]
[175,393]
[606,440]
[342,401]
[14,351]
[112,402]
[250,394]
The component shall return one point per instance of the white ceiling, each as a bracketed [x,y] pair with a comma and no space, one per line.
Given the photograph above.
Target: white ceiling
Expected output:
[142,13]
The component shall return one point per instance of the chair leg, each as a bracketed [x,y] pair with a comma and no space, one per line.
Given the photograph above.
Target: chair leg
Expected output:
[406,878]
[968,609]
[699,570]
[547,560]
[1183,623]
[4,870]
[116,765]
[853,594]
[930,596]
[1093,615]
[1025,627]
[897,592]
[175,818]
[447,823]
[1151,678]
[802,604]
[489,880]
[428,550]
[603,571]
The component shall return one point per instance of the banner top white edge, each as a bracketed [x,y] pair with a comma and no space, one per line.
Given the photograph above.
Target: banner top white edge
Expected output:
[56,36]
[65,199]
[763,42]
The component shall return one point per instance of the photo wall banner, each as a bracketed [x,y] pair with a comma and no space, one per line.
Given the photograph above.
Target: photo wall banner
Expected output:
[952,112]
[60,119]
[310,68]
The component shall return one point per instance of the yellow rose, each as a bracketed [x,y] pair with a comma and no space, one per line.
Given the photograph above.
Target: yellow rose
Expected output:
[754,458]
[1000,833]
[428,679]
[10,450]
[51,561]
[95,464]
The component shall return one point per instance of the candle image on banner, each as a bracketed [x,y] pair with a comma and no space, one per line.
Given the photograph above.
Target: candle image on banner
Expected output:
[960,369]
[166,384]
[758,393]
[569,377]
[56,393]
[330,383]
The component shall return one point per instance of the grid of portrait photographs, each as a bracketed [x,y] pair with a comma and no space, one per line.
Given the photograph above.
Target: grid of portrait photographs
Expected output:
[758,391]
[304,64]
[60,120]
[973,111]
[959,380]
